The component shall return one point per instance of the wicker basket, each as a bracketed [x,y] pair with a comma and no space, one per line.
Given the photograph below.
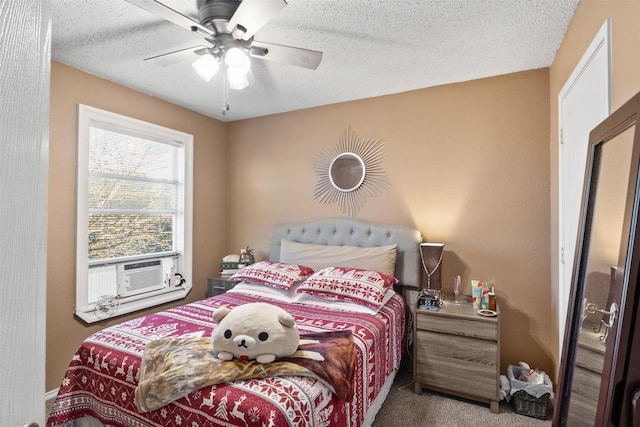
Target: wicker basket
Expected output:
[526,404]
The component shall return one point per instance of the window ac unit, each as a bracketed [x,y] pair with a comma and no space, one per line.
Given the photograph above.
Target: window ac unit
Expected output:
[139,277]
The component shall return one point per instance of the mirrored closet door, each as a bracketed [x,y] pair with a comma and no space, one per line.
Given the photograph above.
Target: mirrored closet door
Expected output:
[597,384]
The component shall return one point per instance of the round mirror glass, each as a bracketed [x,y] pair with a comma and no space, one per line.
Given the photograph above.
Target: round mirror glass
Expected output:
[346,172]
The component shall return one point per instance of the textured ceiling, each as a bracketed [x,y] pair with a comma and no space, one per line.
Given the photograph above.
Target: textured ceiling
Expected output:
[371,48]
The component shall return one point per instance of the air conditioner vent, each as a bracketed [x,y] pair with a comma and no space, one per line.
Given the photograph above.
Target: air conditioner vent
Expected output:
[140,277]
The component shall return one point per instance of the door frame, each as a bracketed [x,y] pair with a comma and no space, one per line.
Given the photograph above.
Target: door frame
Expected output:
[25,41]
[601,42]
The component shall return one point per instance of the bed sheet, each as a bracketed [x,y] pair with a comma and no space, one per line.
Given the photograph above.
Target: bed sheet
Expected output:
[103,374]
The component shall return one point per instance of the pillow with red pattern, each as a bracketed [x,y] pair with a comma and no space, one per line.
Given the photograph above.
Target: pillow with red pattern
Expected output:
[364,287]
[277,274]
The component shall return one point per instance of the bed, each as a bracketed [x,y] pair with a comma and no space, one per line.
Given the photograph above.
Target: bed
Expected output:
[99,387]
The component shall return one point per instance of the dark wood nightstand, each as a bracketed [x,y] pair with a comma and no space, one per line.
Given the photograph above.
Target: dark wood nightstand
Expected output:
[457,351]
[219,285]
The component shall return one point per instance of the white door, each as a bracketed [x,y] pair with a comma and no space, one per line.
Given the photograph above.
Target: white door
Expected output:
[25,40]
[583,102]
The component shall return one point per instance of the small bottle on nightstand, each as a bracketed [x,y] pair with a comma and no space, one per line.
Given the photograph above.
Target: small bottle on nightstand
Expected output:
[492,299]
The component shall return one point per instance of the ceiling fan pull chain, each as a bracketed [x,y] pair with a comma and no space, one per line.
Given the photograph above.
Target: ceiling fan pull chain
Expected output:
[225,92]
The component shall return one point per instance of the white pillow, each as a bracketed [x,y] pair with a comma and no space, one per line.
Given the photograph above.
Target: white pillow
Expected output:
[264,291]
[317,301]
[379,258]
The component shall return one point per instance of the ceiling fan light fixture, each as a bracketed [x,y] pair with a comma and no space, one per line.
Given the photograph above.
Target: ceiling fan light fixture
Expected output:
[236,59]
[237,79]
[206,66]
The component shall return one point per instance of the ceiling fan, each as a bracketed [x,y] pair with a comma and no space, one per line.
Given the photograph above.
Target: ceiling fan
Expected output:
[229,26]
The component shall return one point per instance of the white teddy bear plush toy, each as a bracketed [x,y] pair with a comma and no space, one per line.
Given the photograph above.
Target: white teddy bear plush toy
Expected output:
[257,331]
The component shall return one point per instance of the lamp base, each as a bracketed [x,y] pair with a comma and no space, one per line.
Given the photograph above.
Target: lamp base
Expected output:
[431,257]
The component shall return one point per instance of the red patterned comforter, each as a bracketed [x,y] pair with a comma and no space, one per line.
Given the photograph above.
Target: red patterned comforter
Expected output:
[103,374]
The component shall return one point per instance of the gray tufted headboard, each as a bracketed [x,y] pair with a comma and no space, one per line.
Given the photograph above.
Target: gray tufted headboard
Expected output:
[351,232]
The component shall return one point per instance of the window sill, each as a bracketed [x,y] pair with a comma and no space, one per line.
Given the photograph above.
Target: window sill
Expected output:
[137,303]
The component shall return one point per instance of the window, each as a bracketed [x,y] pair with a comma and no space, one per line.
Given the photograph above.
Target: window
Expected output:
[134,214]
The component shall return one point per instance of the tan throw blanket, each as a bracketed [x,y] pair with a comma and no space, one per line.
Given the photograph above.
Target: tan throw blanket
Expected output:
[174,367]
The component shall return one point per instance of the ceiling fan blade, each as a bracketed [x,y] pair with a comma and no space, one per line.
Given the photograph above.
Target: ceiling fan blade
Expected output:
[253,14]
[173,16]
[297,56]
[188,54]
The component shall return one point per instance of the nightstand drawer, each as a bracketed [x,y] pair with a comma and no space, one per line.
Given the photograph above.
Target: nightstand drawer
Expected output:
[461,349]
[457,363]
[473,385]
[479,328]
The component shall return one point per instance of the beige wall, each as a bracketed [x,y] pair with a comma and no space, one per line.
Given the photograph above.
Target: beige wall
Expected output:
[589,17]
[468,165]
[68,88]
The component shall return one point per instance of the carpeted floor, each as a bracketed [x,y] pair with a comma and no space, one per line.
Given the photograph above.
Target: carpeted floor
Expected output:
[405,408]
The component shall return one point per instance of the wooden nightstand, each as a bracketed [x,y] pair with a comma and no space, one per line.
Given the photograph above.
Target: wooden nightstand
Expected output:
[457,351]
[219,285]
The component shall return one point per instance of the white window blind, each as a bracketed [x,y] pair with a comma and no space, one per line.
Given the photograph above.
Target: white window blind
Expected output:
[134,186]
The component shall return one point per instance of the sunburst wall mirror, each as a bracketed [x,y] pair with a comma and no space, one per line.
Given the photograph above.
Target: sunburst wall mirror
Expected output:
[350,172]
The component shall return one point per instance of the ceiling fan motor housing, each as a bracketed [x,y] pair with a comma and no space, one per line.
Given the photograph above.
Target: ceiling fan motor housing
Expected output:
[215,14]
